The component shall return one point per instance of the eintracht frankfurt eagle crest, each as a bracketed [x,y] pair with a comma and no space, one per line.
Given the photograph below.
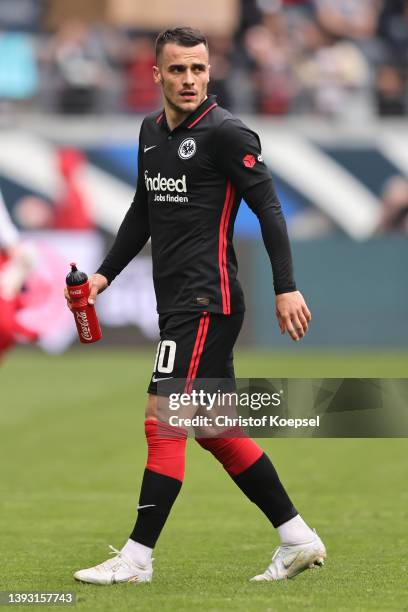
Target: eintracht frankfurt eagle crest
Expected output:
[187,148]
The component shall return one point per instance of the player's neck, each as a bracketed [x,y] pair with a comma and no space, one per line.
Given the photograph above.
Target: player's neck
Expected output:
[174,116]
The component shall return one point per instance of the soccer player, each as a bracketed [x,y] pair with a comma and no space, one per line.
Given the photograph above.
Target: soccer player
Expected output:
[16,262]
[195,163]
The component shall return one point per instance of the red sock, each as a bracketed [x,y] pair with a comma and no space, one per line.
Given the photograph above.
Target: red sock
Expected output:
[235,454]
[166,449]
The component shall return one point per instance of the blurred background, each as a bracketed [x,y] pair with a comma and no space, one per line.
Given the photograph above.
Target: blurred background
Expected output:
[324,82]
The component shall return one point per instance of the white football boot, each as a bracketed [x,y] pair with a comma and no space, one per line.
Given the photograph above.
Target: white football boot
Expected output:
[289,560]
[118,569]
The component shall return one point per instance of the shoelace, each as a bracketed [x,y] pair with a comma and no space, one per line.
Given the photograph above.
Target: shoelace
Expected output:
[122,558]
[114,551]
[131,564]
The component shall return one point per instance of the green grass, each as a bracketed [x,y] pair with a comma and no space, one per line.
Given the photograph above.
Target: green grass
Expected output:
[72,456]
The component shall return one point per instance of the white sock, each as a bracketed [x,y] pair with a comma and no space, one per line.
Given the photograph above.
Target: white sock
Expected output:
[138,553]
[295,531]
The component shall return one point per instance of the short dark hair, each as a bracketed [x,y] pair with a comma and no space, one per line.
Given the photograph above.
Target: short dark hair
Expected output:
[181,35]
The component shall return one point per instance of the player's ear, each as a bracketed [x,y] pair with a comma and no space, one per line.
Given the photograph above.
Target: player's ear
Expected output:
[156,75]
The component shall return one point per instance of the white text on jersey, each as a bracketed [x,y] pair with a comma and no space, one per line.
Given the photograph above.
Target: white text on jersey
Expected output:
[160,183]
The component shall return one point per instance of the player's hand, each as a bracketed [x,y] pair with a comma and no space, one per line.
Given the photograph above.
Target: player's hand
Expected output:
[293,315]
[97,284]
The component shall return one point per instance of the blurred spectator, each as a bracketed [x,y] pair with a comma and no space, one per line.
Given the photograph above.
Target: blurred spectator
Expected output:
[251,14]
[332,73]
[18,68]
[141,94]
[290,7]
[393,29]
[390,91]
[348,18]
[395,206]
[269,47]
[78,70]
[222,48]
[21,15]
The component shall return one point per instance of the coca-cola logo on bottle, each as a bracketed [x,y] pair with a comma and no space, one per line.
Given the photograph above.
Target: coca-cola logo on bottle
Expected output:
[82,320]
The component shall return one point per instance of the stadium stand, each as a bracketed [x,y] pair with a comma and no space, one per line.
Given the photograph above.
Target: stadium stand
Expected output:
[330,58]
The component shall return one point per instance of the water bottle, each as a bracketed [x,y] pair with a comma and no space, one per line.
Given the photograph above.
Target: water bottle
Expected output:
[85,316]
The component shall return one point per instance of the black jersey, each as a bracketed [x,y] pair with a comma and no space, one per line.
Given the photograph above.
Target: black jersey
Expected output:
[190,183]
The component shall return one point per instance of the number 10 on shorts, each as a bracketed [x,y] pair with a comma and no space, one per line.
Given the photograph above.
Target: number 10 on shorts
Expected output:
[166,353]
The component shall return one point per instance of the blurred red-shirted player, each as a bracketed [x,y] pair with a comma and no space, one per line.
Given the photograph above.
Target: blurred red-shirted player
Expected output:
[16,262]
[72,207]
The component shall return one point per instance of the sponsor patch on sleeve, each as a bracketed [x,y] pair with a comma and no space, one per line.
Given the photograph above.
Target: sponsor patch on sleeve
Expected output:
[249,160]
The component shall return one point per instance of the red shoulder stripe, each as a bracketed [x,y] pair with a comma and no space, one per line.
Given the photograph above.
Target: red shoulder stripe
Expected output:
[213,105]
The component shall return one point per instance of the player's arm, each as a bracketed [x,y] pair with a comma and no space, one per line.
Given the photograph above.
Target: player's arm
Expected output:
[239,155]
[291,310]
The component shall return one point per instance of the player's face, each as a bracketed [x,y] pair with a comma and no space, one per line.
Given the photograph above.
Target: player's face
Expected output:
[183,74]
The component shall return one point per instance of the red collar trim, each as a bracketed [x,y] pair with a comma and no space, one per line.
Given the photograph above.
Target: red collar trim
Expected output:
[191,125]
[160,117]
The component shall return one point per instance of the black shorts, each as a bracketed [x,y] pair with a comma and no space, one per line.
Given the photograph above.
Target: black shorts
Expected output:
[194,346]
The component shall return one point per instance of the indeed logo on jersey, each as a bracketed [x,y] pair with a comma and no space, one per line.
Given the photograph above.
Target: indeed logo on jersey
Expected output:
[161,183]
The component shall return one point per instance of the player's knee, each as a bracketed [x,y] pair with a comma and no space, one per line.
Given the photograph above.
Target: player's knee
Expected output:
[151,407]
[212,445]
[166,449]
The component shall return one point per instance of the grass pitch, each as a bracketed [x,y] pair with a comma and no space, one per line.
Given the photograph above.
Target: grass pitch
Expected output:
[72,457]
